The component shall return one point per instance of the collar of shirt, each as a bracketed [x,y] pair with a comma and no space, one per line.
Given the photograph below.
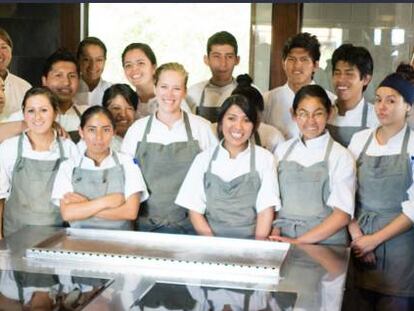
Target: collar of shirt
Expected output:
[290,91]
[212,86]
[224,154]
[177,124]
[28,146]
[315,143]
[88,163]
[393,143]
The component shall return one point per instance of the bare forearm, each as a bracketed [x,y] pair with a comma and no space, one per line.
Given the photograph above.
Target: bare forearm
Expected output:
[10,129]
[126,211]
[399,225]
[87,209]
[354,229]
[332,224]
[200,224]
[264,223]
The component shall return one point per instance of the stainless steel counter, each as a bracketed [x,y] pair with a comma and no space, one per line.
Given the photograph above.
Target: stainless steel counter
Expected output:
[311,277]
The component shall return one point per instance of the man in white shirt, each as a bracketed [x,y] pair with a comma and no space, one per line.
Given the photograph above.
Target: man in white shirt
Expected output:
[91,57]
[14,87]
[206,97]
[61,75]
[352,68]
[300,60]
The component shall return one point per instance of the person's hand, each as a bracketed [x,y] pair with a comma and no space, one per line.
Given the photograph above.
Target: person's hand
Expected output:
[60,130]
[364,245]
[73,197]
[369,258]
[278,238]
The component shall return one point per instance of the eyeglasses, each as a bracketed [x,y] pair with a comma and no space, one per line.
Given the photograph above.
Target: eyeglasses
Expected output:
[304,115]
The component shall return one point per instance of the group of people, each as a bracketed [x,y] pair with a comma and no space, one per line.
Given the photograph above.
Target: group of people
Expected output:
[297,164]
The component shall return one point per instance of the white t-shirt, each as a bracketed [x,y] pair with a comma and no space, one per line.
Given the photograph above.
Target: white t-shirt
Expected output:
[70,121]
[270,137]
[8,156]
[391,148]
[93,98]
[134,182]
[214,95]
[14,90]
[353,117]
[192,195]
[160,133]
[277,112]
[341,165]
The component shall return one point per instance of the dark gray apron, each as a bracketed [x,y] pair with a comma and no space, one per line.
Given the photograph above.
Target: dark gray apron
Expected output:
[209,113]
[304,192]
[164,168]
[97,183]
[382,185]
[74,135]
[231,206]
[343,134]
[29,202]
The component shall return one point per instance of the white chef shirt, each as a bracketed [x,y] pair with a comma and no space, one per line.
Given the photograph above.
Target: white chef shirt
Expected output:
[277,112]
[192,194]
[160,133]
[353,117]
[134,182]
[214,95]
[8,156]
[341,165]
[391,148]
[94,97]
[270,137]
[15,89]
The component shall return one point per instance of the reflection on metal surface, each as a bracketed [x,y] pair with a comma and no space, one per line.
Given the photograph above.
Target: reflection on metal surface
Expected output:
[165,296]
[218,258]
[37,291]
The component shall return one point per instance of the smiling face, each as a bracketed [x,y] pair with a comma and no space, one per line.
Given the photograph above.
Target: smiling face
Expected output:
[390,107]
[236,128]
[5,55]
[221,59]
[63,80]
[311,117]
[138,68]
[92,63]
[348,83]
[123,112]
[170,91]
[97,134]
[299,67]
[39,114]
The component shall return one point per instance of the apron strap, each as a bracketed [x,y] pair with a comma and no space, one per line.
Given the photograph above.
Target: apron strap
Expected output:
[366,145]
[364,115]
[188,127]
[18,165]
[214,157]
[144,136]
[257,138]
[252,157]
[405,140]
[61,150]
[289,150]
[77,111]
[328,149]
[203,94]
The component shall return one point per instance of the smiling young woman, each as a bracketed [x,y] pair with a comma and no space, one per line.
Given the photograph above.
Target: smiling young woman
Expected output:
[231,190]
[165,144]
[29,163]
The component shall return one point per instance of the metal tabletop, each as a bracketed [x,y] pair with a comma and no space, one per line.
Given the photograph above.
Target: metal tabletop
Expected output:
[312,277]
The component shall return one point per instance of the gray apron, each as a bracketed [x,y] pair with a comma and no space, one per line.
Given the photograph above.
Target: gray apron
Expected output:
[304,192]
[343,134]
[97,183]
[74,135]
[382,185]
[29,202]
[231,206]
[209,113]
[164,168]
